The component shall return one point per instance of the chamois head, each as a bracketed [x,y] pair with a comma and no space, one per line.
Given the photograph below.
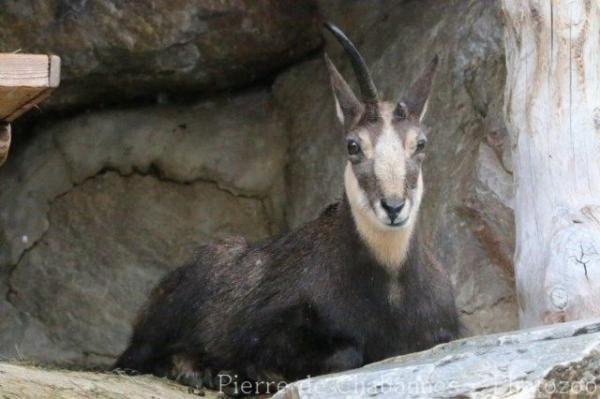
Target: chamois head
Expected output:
[385,145]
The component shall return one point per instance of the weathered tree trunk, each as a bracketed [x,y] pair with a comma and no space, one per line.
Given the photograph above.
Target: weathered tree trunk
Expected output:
[552,109]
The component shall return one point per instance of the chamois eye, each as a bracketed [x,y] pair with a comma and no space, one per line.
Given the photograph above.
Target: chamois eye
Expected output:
[421,145]
[353,147]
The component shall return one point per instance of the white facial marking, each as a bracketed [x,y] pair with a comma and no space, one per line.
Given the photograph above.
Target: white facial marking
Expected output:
[424,111]
[388,244]
[390,169]
[338,111]
[389,162]
[365,144]
[356,196]
[410,144]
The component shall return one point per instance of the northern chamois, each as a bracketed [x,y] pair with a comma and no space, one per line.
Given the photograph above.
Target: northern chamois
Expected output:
[351,287]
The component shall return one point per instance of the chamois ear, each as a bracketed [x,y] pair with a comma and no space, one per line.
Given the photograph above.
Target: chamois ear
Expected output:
[347,106]
[418,95]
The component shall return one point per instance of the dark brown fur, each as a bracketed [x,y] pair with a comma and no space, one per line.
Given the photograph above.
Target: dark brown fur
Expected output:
[308,302]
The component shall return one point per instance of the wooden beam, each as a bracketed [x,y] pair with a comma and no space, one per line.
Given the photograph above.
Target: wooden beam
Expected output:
[26,80]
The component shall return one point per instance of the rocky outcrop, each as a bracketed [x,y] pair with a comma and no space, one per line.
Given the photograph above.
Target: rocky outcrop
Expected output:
[97,208]
[553,361]
[118,51]
[562,360]
[30,382]
[467,217]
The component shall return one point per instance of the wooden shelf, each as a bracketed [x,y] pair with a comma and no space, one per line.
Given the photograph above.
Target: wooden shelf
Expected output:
[26,80]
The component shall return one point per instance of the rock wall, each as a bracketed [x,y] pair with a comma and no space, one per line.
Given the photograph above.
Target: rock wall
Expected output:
[95,206]
[118,51]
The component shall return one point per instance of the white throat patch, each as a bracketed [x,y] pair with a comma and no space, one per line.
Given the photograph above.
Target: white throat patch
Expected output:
[388,244]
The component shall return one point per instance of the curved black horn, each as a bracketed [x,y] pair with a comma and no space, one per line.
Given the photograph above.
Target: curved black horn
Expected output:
[365,82]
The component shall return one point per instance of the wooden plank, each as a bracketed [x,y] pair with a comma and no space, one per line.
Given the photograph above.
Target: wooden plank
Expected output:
[26,80]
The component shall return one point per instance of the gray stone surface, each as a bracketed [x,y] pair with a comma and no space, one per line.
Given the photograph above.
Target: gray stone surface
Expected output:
[467,217]
[117,51]
[317,150]
[19,381]
[551,361]
[98,207]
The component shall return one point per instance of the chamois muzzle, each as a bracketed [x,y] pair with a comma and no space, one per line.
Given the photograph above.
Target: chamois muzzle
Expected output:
[393,206]
[368,90]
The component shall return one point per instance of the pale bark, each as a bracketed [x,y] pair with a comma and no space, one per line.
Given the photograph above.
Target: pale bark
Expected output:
[552,109]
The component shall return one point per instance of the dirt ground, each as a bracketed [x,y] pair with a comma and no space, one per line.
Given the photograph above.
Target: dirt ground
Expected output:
[30,382]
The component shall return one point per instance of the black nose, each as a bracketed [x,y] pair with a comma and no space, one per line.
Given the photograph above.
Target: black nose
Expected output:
[393,206]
